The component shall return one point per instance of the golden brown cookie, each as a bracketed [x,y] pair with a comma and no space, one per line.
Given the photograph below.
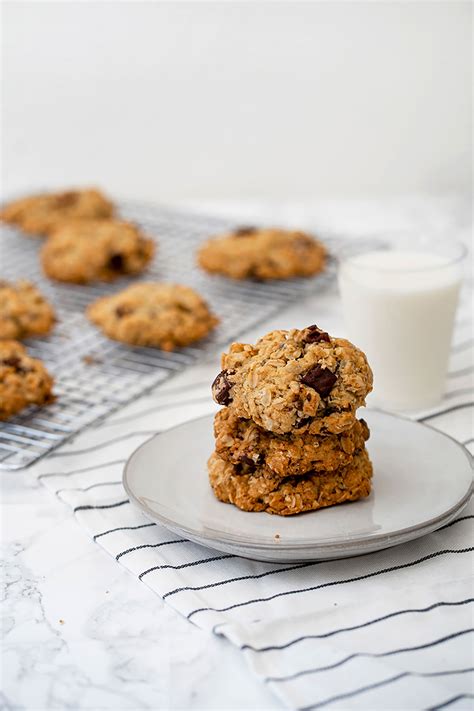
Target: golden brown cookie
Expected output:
[262,491]
[242,442]
[24,311]
[295,381]
[82,251]
[260,253]
[24,381]
[154,314]
[40,214]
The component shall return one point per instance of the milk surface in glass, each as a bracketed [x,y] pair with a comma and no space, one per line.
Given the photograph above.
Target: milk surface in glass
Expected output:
[399,307]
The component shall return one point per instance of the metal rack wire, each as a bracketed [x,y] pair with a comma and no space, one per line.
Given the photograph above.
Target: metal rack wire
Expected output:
[95,376]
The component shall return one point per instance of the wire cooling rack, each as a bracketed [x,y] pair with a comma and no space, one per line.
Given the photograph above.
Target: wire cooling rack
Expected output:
[95,376]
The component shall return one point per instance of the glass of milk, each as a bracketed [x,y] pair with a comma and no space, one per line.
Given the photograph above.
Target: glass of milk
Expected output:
[399,303]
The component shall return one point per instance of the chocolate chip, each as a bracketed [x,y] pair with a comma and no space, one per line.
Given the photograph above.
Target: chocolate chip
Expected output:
[66,199]
[13,361]
[302,421]
[248,464]
[313,334]
[320,379]
[123,310]
[116,262]
[365,429]
[243,231]
[221,388]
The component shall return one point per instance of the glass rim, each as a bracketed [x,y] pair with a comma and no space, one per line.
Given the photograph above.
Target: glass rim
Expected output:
[459,247]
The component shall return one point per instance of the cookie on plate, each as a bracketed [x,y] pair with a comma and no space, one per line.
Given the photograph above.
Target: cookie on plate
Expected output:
[24,381]
[24,311]
[80,251]
[241,441]
[260,490]
[295,381]
[260,253]
[160,315]
[40,214]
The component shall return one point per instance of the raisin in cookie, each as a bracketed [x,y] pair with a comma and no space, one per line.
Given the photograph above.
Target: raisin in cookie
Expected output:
[24,381]
[151,314]
[295,381]
[81,251]
[263,254]
[40,214]
[262,491]
[242,442]
[24,311]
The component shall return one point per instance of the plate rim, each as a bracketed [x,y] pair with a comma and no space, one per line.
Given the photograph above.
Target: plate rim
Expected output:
[375,541]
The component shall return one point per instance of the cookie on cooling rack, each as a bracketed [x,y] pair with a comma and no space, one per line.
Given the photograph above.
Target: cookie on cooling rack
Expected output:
[40,214]
[24,311]
[160,315]
[24,381]
[81,251]
[260,253]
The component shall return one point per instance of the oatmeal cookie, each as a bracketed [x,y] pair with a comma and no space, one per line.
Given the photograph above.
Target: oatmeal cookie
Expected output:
[81,251]
[40,214]
[242,442]
[152,314]
[295,381]
[262,491]
[24,311]
[260,253]
[24,381]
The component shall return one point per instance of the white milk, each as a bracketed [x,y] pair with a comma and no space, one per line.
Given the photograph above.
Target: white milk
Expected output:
[399,308]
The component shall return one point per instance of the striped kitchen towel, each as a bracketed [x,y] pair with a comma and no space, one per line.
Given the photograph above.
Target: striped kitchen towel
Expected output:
[391,629]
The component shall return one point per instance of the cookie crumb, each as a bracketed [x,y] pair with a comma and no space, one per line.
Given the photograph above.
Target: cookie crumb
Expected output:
[277,536]
[91,360]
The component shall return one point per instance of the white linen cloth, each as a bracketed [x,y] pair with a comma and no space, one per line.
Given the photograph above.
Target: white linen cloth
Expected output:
[392,629]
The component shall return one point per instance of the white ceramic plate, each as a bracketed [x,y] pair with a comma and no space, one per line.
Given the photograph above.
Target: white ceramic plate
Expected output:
[422,480]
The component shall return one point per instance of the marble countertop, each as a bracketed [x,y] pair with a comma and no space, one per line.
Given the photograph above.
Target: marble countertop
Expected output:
[81,632]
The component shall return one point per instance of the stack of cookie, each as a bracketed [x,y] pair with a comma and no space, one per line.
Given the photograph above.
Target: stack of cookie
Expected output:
[288,439]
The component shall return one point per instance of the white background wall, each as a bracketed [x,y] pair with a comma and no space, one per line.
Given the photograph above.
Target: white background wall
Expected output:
[173,100]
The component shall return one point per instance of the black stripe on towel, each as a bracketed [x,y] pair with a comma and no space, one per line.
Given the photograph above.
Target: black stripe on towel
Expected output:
[184,565]
[460,391]
[462,346]
[377,685]
[461,372]
[148,545]
[450,701]
[122,528]
[446,411]
[256,576]
[332,633]
[330,584]
[82,471]
[101,506]
[157,408]
[370,655]
[89,488]
[104,444]
[456,520]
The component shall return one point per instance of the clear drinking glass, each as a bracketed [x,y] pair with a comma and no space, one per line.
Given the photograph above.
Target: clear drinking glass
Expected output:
[399,303]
